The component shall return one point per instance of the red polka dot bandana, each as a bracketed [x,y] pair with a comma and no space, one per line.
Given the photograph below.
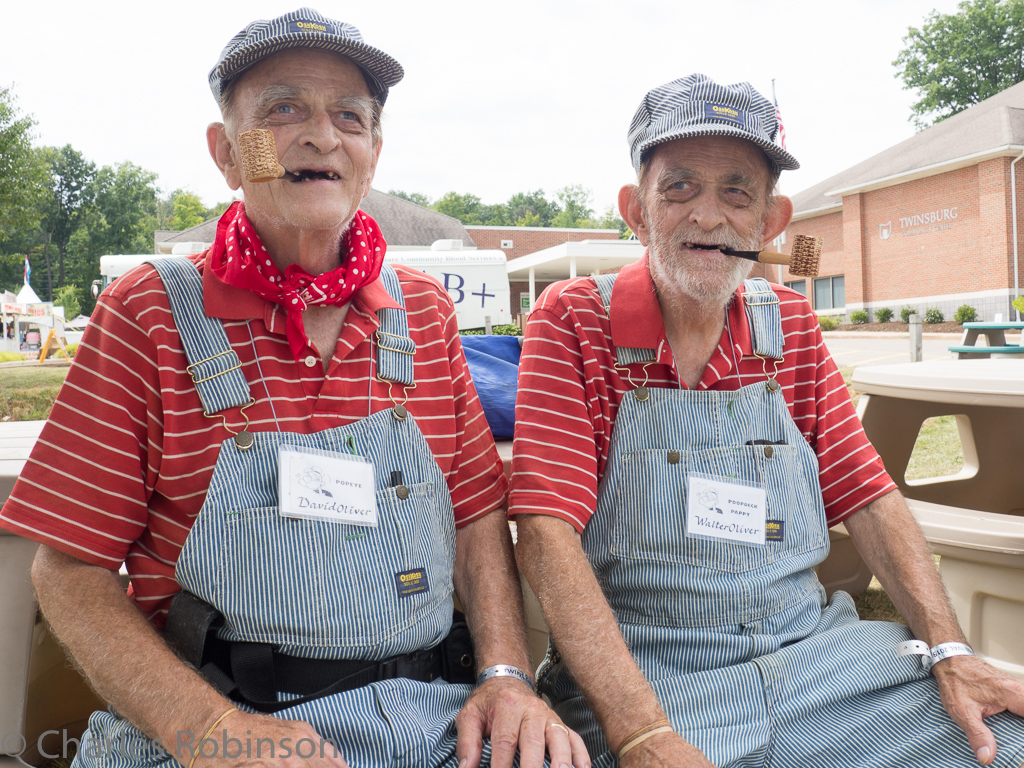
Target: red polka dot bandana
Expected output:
[240,259]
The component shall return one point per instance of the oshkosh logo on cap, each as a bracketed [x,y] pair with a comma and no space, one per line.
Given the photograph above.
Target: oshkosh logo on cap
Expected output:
[722,112]
[308,26]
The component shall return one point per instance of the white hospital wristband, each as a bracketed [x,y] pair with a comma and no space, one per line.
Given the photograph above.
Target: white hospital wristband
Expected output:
[945,650]
[931,656]
[503,670]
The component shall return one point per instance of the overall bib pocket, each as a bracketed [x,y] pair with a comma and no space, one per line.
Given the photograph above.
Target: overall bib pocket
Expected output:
[289,564]
[650,497]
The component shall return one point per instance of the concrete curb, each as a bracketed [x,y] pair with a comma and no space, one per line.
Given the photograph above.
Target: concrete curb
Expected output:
[885,335]
[58,363]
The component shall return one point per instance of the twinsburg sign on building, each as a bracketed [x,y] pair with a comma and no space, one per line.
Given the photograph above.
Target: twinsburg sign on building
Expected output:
[919,224]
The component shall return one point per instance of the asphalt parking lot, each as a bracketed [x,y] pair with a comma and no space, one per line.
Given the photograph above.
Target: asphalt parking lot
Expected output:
[849,349]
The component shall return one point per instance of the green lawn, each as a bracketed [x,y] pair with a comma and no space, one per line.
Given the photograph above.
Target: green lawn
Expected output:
[27,392]
[937,452]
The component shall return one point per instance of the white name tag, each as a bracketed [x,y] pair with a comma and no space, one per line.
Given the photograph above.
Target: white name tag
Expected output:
[722,509]
[320,485]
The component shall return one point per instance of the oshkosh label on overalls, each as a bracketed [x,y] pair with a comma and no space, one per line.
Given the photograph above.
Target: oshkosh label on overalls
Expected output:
[725,509]
[321,485]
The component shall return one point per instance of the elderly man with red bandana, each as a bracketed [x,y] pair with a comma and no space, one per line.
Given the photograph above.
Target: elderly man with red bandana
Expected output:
[280,440]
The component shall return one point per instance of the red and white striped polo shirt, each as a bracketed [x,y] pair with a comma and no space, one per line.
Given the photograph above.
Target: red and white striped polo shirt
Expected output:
[569,393]
[122,467]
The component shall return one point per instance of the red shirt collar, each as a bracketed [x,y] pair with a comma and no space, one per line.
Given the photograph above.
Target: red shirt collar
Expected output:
[636,316]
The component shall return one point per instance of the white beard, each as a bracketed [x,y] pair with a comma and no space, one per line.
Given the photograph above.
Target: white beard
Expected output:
[707,282]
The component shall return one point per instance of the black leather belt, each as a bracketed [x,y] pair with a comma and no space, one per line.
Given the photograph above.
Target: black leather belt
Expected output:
[254,673]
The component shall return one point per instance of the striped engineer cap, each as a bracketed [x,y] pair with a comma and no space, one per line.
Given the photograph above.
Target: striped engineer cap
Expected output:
[304,28]
[698,106]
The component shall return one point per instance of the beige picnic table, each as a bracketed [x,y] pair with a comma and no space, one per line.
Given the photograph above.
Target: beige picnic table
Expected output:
[973,519]
[40,690]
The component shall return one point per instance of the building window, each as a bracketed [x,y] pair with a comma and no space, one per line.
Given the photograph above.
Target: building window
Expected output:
[800,286]
[507,244]
[830,292]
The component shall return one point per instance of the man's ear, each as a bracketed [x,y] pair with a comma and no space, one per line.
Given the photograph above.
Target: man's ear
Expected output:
[223,153]
[780,213]
[632,213]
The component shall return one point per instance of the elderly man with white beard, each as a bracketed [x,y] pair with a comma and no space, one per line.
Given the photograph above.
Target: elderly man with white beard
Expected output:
[683,443]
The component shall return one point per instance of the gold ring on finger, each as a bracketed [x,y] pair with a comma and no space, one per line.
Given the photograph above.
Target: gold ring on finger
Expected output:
[559,726]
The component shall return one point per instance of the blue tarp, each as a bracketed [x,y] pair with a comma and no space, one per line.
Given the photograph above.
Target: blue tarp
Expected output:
[494,366]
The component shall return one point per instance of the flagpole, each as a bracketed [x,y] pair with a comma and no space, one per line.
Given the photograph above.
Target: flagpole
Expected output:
[782,234]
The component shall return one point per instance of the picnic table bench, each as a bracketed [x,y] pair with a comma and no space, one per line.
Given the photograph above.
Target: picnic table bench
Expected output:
[994,335]
[974,518]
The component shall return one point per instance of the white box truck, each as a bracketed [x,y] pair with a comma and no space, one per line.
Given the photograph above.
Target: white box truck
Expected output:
[477,281]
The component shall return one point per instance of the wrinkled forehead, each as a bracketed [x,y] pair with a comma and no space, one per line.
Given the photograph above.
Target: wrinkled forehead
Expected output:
[308,70]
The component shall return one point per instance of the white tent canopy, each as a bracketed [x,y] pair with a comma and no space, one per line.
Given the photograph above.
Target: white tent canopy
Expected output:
[27,296]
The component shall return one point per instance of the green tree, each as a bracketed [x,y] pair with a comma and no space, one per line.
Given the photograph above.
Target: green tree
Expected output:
[22,171]
[529,219]
[412,197]
[126,197]
[12,270]
[218,210]
[495,215]
[189,210]
[67,297]
[957,60]
[612,220]
[71,191]
[576,210]
[84,251]
[531,207]
[465,208]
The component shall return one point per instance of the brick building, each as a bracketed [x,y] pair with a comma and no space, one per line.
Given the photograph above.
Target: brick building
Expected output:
[935,221]
[523,241]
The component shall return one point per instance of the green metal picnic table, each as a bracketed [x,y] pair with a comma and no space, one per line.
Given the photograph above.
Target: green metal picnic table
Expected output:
[994,335]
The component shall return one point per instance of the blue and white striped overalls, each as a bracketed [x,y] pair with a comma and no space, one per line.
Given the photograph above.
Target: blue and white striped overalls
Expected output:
[749,660]
[319,589]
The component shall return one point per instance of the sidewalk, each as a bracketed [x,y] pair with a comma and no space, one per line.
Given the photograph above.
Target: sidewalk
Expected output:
[886,335]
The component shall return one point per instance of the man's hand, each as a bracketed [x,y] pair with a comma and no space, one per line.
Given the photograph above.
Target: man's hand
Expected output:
[507,712]
[890,541]
[665,750]
[274,743]
[502,709]
[972,689]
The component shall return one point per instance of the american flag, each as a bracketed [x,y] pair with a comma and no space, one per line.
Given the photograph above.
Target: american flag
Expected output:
[782,128]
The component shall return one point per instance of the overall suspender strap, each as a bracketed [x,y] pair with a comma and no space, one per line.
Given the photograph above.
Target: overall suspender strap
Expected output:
[213,365]
[623,355]
[395,348]
[764,317]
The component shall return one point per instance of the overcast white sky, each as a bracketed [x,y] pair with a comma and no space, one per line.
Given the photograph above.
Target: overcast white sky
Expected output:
[498,98]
